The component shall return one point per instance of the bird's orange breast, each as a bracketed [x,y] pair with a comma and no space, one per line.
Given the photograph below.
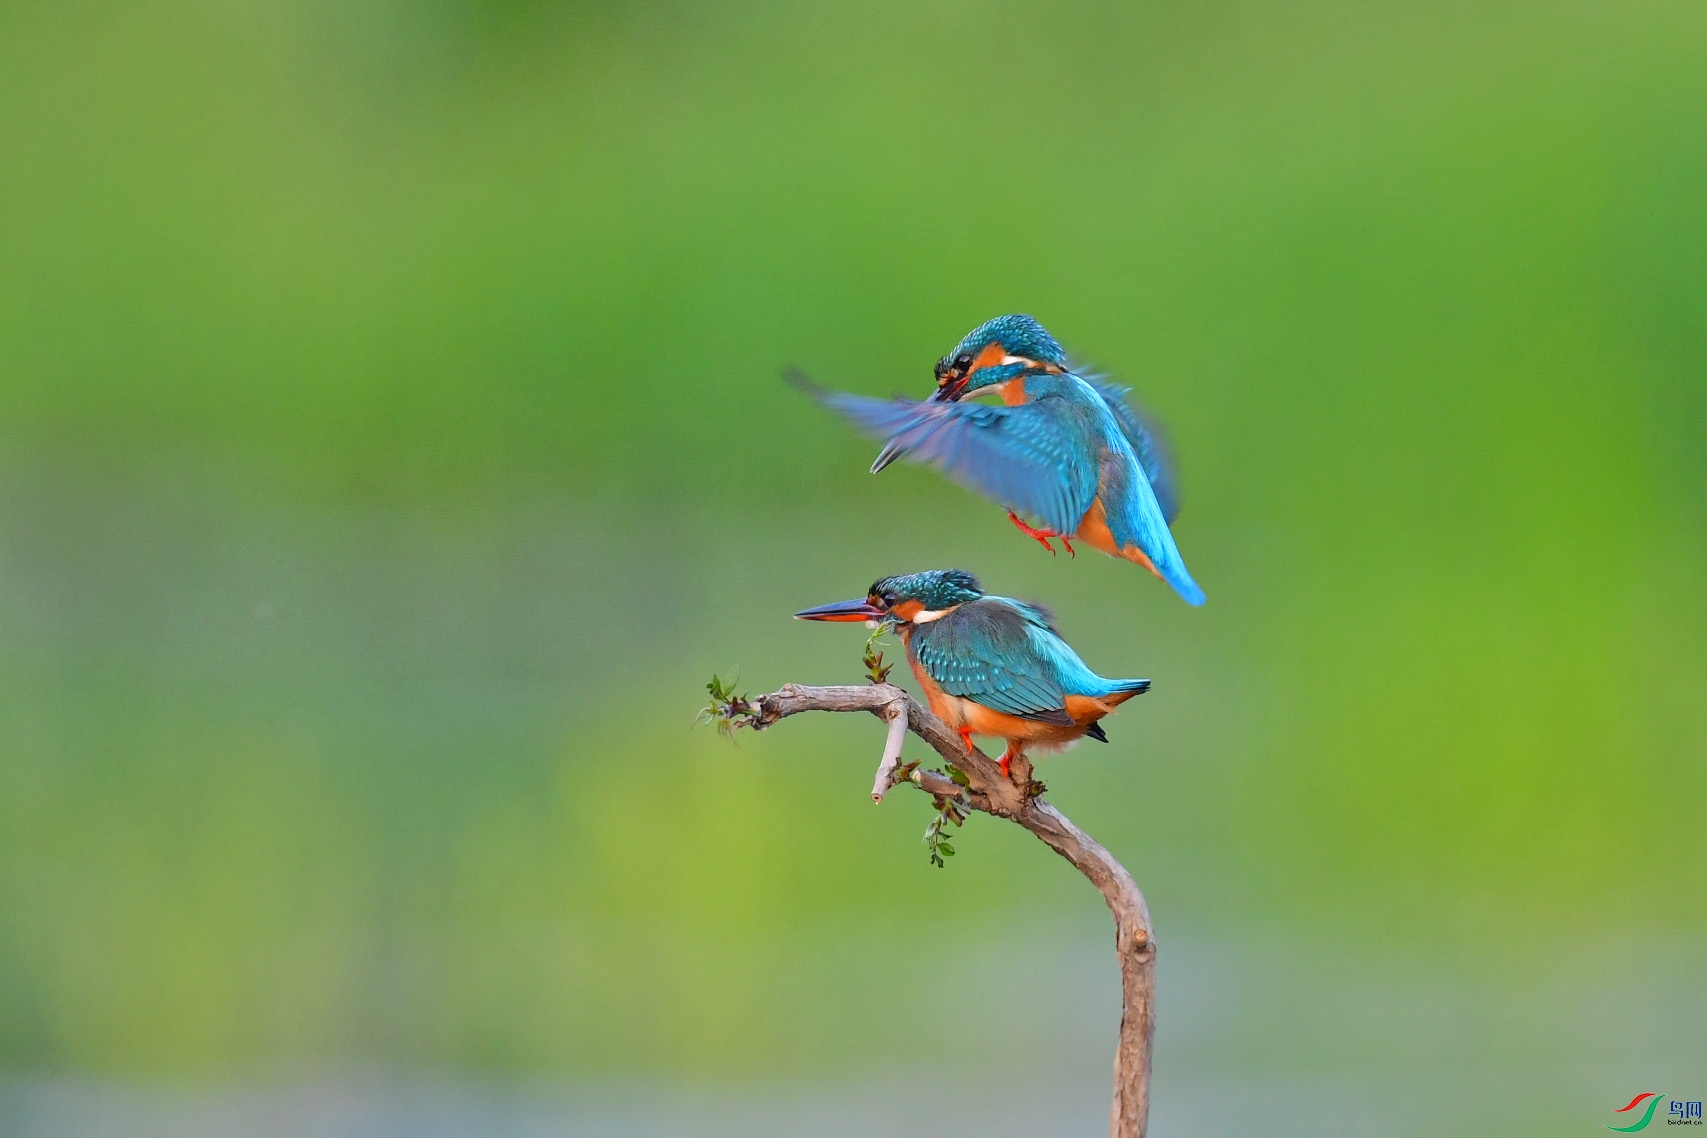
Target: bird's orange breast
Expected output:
[1094,532]
[944,706]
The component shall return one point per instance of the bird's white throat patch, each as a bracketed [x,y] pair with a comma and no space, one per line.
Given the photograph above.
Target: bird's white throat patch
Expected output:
[928,615]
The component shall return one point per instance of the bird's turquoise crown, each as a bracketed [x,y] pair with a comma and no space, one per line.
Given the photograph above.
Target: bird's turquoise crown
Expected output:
[1017,334]
[936,589]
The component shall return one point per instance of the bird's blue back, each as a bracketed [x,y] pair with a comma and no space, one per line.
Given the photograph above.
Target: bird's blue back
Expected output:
[1006,655]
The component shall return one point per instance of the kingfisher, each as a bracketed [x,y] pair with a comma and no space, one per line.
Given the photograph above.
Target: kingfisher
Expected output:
[1067,449]
[989,665]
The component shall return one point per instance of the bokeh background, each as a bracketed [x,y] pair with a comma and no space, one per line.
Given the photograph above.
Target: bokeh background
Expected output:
[393,445]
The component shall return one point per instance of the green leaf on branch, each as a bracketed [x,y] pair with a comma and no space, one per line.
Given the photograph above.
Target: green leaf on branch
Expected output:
[948,810]
[935,844]
[726,710]
[875,669]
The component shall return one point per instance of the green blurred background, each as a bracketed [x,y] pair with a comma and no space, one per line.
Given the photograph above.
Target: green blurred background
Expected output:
[393,445]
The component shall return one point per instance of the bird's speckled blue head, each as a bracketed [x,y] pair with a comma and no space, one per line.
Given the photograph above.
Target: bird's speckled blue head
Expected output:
[903,597]
[934,589]
[996,351]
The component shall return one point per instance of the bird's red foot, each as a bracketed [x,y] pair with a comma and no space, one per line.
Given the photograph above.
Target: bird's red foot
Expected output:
[966,737]
[1007,757]
[1041,536]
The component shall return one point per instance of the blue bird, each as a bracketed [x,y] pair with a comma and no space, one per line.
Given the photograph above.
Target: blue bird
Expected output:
[989,665]
[1067,450]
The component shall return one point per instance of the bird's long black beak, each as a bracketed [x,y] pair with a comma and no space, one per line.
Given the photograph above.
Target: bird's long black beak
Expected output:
[848,611]
[891,451]
[949,392]
[946,392]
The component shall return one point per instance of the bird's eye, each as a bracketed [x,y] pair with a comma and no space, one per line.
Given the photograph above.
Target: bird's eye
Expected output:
[962,363]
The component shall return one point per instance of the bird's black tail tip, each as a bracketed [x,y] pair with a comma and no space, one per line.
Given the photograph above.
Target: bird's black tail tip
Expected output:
[1095,731]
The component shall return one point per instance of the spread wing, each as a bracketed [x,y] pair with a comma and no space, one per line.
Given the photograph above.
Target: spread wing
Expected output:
[1035,458]
[1147,443]
[989,652]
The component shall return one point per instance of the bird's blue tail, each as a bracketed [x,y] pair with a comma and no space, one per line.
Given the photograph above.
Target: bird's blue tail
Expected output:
[1182,582]
[1138,522]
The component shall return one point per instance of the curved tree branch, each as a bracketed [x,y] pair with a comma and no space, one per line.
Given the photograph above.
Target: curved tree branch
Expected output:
[1018,800]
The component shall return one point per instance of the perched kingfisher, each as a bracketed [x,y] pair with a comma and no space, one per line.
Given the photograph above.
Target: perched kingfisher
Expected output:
[1068,450]
[989,665]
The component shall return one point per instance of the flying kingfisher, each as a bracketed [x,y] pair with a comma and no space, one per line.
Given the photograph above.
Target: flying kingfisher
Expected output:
[1068,450]
[989,665]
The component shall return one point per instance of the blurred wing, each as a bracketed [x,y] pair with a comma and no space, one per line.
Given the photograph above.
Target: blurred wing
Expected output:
[1147,443]
[986,652]
[1029,458]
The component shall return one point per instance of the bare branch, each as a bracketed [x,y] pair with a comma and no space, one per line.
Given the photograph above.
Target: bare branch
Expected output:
[896,713]
[1017,799]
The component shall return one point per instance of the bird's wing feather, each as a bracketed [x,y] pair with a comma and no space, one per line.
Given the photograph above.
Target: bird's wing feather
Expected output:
[986,651]
[1147,443]
[1034,458]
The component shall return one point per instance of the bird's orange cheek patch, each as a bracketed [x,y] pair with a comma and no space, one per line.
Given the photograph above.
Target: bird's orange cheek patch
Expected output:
[907,610]
[992,355]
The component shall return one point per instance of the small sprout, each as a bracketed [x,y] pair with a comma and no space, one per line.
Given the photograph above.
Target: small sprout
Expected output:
[936,843]
[956,774]
[727,710]
[722,689]
[875,669]
[1035,789]
[954,809]
[948,810]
